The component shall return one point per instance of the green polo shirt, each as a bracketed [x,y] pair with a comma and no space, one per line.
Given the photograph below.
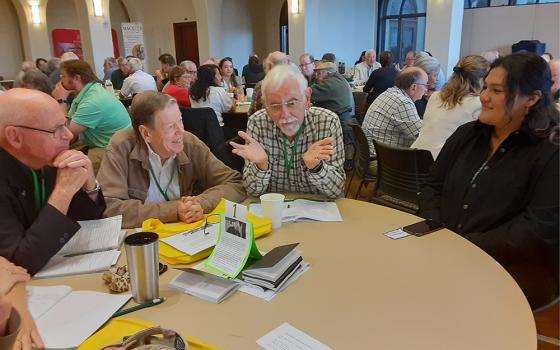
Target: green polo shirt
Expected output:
[100,112]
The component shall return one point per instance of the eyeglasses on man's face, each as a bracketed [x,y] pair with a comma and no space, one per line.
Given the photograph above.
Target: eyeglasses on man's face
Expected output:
[303,65]
[58,132]
[276,108]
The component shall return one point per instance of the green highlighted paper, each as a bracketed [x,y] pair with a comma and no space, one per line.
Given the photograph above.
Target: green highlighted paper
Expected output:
[236,242]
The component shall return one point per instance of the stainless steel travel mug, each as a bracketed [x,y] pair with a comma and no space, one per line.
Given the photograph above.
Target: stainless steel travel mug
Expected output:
[142,256]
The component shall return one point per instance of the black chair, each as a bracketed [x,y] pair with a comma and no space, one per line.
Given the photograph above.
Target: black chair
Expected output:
[203,123]
[364,168]
[360,99]
[400,173]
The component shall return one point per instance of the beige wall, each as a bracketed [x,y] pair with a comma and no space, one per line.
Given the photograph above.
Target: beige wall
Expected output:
[61,14]
[158,27]
[118,15]
[500,27]
[10,41]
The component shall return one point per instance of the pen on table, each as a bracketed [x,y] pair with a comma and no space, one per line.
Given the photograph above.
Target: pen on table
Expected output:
[149,303]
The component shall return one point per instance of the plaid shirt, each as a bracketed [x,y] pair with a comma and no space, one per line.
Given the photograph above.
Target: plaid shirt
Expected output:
[392,119]
[318,124]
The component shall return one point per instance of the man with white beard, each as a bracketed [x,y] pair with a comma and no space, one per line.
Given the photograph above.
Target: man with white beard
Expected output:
[289,146]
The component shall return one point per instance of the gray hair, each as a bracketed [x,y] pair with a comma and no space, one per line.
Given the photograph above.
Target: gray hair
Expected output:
[429,64]
[135,64]
[279,74]
[111,60]
[186,63]
[369,51]
[53,64]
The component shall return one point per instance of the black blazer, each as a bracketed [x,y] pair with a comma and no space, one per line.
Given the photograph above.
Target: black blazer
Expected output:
[27,239]
[380,80]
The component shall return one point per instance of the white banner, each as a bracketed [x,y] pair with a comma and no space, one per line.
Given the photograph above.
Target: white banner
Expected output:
[133,34]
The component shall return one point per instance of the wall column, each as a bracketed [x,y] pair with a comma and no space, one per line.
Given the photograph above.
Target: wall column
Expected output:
[95,32]
[35,37]
[444,25]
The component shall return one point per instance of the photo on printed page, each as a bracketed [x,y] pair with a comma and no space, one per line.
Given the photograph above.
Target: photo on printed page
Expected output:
[236,227]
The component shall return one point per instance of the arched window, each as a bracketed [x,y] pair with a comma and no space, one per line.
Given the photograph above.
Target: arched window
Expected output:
[402,26]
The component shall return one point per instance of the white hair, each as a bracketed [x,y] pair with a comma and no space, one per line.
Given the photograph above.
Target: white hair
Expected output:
[370,51]
[186,63]
[279,74]
[429,64]
[68,56]
[135,64]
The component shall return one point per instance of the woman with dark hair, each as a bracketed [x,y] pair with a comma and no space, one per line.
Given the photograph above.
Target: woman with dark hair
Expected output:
[207,91]
[178,87]
[230,81]
[456,104]
[495,182]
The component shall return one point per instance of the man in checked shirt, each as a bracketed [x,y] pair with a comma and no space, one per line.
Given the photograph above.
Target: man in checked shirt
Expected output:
[289,146]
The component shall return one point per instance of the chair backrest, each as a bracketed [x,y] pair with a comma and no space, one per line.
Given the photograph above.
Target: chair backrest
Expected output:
[203,123]
[361,157]
[360,102]
[400,172]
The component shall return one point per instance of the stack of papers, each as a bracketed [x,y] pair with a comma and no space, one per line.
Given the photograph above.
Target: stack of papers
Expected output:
[304,210]
[93,248]
[66,318]
[204,285]
[275,268]
[194,241]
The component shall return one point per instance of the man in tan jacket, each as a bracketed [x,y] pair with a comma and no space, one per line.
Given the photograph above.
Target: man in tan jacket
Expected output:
[158,170]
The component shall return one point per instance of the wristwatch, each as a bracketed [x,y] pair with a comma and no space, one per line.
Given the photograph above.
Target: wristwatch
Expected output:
[96,189]
[62,101]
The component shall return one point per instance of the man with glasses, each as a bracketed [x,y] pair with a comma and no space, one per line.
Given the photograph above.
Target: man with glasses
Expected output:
[307,67]
[191,69]
[44,186]
[289,146]
[392,118]
[363,70]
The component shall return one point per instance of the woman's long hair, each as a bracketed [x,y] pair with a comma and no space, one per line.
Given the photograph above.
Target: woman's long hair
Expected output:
[233,80]
[205,78]
[466,80]
[526,74]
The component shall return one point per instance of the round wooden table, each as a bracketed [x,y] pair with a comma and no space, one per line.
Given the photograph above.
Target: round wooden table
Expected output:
[363,291]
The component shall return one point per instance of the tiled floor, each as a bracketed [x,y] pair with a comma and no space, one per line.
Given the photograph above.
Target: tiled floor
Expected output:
[547,322]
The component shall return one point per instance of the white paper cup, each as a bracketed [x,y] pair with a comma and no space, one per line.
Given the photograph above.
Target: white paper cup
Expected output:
[249,92]
[272,205]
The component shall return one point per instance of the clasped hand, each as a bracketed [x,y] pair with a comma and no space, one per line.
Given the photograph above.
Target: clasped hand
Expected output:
[190,210]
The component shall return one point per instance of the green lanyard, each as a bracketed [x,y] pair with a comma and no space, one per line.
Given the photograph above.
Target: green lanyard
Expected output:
[39,195]
[163,193]
[288,163]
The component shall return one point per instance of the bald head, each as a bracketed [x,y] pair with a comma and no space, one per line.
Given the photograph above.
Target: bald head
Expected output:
[21,106]
[274,59]
[555,71]
[23,109]
[413,80]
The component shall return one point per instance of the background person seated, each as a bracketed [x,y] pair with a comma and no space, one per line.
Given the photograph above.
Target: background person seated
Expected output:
[363,70]
[158,170]
[392,118]
[207,91]
[178,87]
[191,69]
[290,147]
[44,187]
[456,104]
[119,75]
[381,79]
[230,81]
[167,62]
[138,80]
[253,71]
[495,182]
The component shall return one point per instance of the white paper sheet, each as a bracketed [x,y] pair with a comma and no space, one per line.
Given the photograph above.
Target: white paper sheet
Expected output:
[194,241]
[287,337]
[74,317]
[95,235]
[42,299]
[303,209]
[86,263]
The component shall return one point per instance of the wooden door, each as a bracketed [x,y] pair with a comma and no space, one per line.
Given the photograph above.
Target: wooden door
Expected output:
[186,42]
